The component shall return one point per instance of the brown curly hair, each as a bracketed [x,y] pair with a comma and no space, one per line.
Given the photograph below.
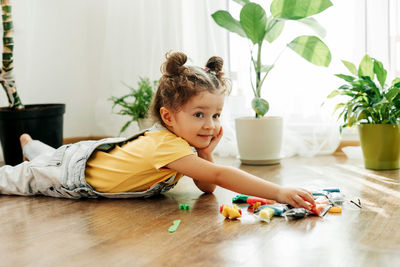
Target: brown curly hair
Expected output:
[179,83]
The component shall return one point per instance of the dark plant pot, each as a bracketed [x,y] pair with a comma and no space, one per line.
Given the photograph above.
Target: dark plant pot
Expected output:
[43,122]
[380,144]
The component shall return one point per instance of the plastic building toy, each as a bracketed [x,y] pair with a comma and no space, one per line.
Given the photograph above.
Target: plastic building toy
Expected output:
[278,208]
[253,200]
[174,226]
[335,209]
[266,214]
[297,213]
[336,198]
[240,199]
[230,212]
[332,190]
[184,207]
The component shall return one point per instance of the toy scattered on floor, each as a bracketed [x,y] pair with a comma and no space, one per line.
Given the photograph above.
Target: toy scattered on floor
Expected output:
[184,207]
[359,203]
[296,213]
[335,209]
[174,226]
[240,199]
[230,212]
[266,214]
[278,208]
[326,200]
[251,200]
[336,198]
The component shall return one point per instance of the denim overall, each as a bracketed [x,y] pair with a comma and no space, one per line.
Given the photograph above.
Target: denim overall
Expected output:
[61,172]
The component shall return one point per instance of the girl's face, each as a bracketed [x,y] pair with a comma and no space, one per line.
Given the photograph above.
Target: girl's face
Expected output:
[198,121]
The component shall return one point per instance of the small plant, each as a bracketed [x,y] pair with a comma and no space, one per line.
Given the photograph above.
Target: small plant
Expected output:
[255,25]
[135,104]
[370,100]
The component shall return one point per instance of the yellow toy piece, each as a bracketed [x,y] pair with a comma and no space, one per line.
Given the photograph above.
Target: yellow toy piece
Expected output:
[335,209]
[266,214]
[230,212]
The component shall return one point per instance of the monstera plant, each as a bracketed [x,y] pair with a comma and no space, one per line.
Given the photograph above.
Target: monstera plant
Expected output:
[259,138]
[42,121]
[261,28]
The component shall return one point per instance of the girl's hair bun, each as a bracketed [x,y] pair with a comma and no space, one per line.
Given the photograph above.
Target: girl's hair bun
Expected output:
[215,64]
[174,63]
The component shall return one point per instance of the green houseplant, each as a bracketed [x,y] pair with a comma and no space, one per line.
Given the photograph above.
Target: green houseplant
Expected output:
[260,28]
[136,103]
[374,107]
[42,121]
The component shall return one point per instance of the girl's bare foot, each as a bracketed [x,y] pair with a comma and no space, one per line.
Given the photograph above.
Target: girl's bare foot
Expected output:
[24,139]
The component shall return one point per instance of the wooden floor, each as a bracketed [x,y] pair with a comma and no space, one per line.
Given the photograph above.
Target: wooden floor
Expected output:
[42,231]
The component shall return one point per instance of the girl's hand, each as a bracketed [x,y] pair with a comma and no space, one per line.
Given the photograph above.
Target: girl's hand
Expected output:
[296,197]
[207,151]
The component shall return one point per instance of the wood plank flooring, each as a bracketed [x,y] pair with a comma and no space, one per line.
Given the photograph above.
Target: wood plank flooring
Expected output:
[43,231]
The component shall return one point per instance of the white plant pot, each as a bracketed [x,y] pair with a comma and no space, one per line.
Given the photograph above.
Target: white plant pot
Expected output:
[259,140]
[145,123]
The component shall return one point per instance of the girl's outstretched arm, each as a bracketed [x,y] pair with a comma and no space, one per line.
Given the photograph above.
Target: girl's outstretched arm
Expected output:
[240,181]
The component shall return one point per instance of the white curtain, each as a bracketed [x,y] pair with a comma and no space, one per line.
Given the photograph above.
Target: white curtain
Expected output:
[296,89]
[80,52]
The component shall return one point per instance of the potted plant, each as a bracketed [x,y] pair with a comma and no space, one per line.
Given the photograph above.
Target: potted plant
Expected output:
[374,107]
[136,104]
[42,121]
[260,138]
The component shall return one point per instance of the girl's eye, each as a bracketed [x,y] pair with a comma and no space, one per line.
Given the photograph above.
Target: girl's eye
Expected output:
[216,116]
[198,115]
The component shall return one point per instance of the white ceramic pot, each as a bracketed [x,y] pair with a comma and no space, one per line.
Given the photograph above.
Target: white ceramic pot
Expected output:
[259,140]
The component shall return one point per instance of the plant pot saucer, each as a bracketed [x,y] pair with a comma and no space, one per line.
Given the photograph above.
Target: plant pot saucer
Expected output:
[260,161]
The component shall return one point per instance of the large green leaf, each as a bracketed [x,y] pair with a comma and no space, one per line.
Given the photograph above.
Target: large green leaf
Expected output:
[393,92]
[274,28]
[312,49]
[260,106]
[347,78]
[224,19]
[314,24]
[350,66]
[366,67]
[253,21]
[298,9]
[380,72]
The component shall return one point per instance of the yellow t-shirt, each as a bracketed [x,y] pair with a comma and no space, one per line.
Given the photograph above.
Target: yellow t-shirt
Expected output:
[138,164]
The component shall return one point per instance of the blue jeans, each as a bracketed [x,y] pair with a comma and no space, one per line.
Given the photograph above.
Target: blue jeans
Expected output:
[61,172]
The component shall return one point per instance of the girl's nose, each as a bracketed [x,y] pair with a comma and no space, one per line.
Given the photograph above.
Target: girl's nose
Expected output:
[209,124]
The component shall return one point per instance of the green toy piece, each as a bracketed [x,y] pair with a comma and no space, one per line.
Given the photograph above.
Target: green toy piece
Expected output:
[240,199]
[184,207]
[174,226]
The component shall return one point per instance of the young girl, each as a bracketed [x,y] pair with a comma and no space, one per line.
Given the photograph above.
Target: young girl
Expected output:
[187,106]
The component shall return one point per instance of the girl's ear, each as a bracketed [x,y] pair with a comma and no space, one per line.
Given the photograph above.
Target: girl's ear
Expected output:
[166,116]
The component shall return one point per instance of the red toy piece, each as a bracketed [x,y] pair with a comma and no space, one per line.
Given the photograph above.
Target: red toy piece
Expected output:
[318,209]
[254,200]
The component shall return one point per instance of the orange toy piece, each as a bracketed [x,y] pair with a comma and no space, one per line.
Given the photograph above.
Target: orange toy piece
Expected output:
[230,212]
[318,209]
[335,209]
[253,200]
